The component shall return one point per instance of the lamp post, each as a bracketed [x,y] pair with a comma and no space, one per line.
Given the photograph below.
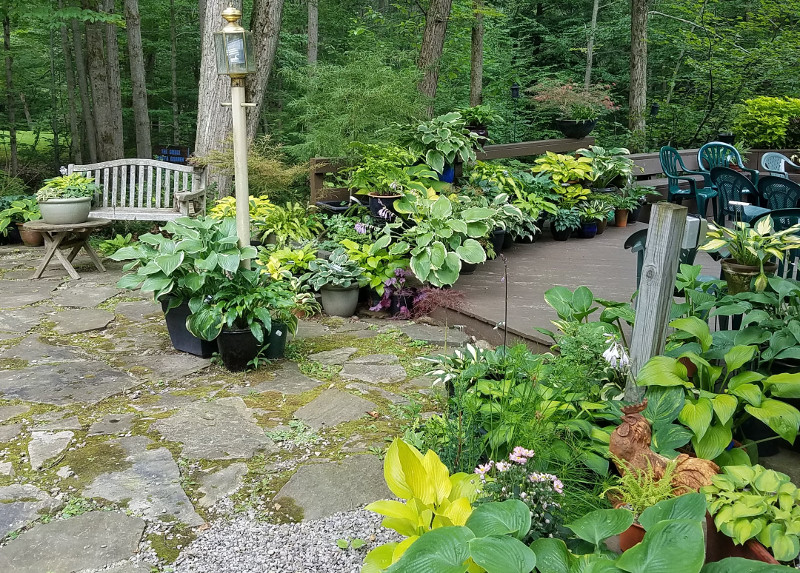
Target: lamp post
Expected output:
[233,46]
[514,98]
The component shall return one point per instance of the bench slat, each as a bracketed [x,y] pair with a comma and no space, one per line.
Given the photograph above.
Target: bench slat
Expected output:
[140,199]
[119,200]
[149,185]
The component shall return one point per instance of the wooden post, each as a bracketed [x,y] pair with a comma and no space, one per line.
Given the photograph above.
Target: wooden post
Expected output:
[664,238]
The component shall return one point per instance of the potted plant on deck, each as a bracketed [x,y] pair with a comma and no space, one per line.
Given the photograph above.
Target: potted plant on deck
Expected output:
[576,107]
[564,222]
[608,165]
[623,205]
[18,213]
[439,141]
[337,279]
[66,199]
[603,208]
[750,251]
[195,259]
[478,118]
[590,219]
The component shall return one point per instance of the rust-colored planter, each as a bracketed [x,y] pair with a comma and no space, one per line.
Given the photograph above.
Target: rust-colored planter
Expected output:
[719,546]
[631,536]
[621,218]
[30,238]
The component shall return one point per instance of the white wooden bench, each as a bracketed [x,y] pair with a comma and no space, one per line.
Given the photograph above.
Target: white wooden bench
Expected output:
[145,189]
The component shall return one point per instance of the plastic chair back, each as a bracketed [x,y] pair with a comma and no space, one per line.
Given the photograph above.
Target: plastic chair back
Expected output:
[780,192]
[732,186]
[776,163]
[718,154]
[637,243]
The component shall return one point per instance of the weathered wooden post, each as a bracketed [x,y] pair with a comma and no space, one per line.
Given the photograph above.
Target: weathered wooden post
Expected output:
[664,239]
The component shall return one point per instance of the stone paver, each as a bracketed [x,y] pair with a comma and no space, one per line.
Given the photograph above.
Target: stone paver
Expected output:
[22,504]
[435,334]
[20,321]
[88,541]
[87,382]
[222,483]
[310,329]
[32,350]
[9,431]
[45,446]
[71,423]
[84,296]
[8,412]
[167,366]
[288,380]
[22,293]
[151,486]
[333,407]
[335,357]
[78,320]
[112,424]
[323,489]
[374,369]
[6,469]
[142,311]
[366,389]
[220,430]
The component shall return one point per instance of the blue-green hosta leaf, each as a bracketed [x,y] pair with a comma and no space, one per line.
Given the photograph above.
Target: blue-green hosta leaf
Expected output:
[471,251]
[690,506]
[130,281]
[552,556]
[155,283]
[229,262]
[511,517]
[502,555]
[449,271]
[435,159]
[601,524]
[669,437]
[209,263]
[444,550]
[742,565]
[668,547]
[560,299]
[168,263]
[663,404]
[421,265]
[582,300]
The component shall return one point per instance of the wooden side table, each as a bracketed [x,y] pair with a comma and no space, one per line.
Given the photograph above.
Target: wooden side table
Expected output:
[75,237]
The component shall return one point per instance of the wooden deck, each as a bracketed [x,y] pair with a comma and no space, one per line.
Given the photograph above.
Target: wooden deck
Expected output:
[601,263]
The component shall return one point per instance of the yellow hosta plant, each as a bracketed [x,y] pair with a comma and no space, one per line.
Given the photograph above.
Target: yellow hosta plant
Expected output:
[226,207]
[434,499]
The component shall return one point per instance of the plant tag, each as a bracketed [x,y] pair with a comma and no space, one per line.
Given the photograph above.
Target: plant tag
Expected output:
[279,333]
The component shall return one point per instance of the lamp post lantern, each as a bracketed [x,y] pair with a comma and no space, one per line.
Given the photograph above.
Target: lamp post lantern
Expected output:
[233,46]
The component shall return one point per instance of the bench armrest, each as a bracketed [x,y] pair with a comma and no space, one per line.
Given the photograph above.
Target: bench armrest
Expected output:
[189,195]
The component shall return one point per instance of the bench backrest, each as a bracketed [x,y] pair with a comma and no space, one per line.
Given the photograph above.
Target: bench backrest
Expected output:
[140,183]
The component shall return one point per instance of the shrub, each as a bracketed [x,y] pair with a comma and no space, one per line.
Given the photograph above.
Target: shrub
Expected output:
[769,122]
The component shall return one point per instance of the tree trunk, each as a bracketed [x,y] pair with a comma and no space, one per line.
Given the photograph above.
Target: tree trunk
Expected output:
[83,88]
[114,81]
[432,46]
[214,122]
[26,111]
[101,99]
[75,146]
[54,102]
[587,80]
[638,87]
[266,20]
[476,55]
[173,70]
[10,105]
[313,30]
[141,116]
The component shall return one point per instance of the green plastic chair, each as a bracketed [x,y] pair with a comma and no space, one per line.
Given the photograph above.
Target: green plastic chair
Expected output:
[733,186]
[789,267]
[776,164]
[779,192]
[637,243]
[673,167]
[718,154]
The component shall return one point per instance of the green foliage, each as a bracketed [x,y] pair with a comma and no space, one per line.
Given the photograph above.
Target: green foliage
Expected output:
[260,207]
[564,168]
[289,223]
[111,246]
[338,270]
[378,264]
[284,262]
[195,260]
[440,140]
[67,187]
[381,170]
[608,164]
[298,434]
[11,186]
[769,122]
[19,211]
[753,502]
[570,101]
[638,489]
[479,115]
[753,246]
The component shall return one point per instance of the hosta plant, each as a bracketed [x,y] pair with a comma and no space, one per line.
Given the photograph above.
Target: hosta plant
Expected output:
[338,270]
[564,168]
[67,187]
[753,502]
[441,140]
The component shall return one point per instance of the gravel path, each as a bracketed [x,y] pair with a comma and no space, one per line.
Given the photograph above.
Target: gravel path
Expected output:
[245,546]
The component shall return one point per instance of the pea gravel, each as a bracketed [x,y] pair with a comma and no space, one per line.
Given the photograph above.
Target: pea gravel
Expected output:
[246,546]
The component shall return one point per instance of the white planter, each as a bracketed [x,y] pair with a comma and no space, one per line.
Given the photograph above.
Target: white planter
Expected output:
[338,301]
[66,211]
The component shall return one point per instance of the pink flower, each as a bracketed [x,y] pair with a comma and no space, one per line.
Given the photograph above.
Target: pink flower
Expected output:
[522,452]
[482,470]
[502,466]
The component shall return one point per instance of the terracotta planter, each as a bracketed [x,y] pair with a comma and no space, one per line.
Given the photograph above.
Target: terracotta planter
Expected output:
[30,238]
[740,276]
[719,546]
[631,536]
[691,368]
[621,218]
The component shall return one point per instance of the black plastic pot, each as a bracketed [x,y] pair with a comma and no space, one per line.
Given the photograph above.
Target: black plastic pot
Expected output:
[12,238]
[498,240]
[335,206]
[756,430]
[560,235]
[481,131]
[180,337]
[508,240]
[277,338]
[398,301]
[377,204]
[633,218]
[575,129]
[588,230]
[526,240]
[467,268]
[237,348]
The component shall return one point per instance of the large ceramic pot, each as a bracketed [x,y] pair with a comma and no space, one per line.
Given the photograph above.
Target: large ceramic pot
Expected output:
[740,276]
[339,301]
[30,238]
[448,175]
[65,211]
[575,129]
[237,348]
[719,546]
[588,230]
[180,336]
[379,204]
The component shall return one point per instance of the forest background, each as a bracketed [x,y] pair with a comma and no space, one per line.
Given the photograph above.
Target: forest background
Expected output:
[103,80]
